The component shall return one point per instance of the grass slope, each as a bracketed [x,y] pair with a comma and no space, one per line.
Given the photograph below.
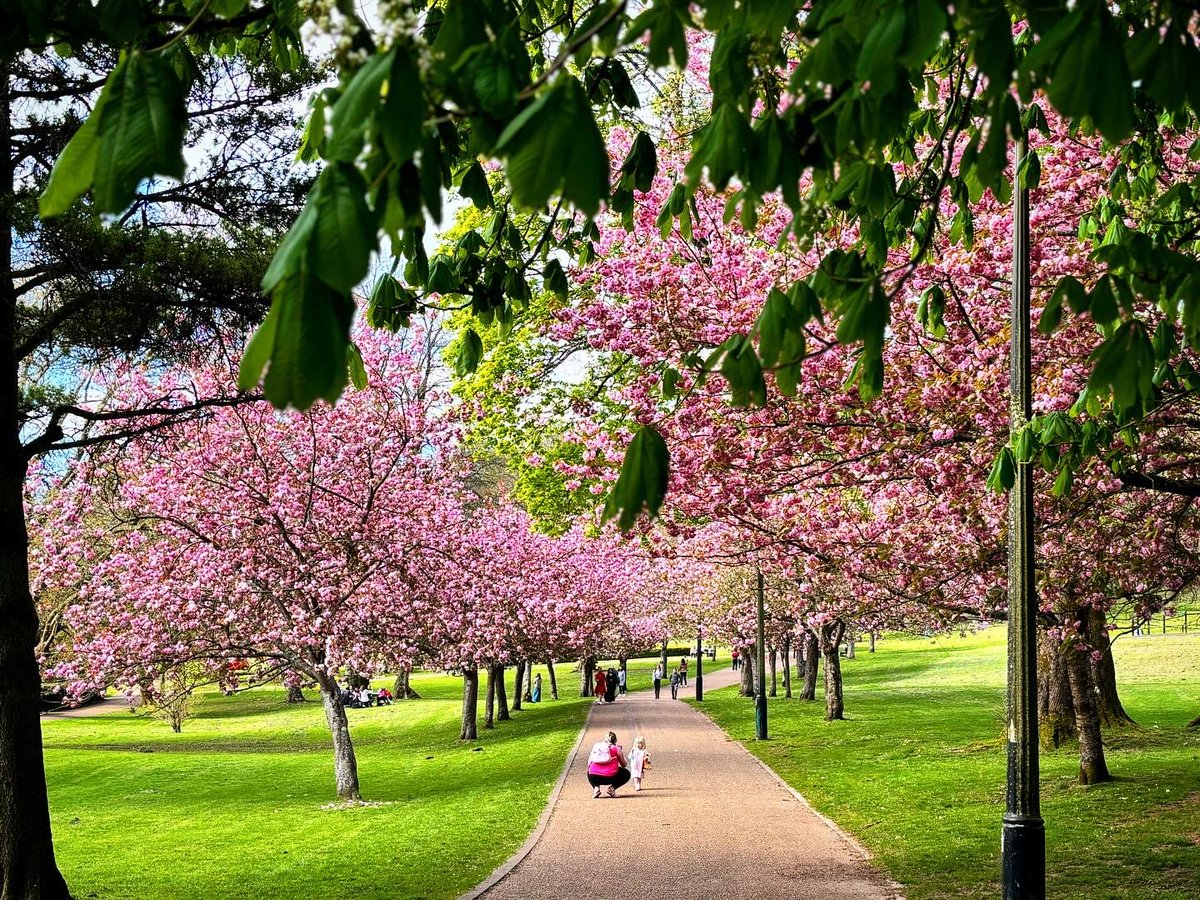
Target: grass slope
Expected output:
[917,771]
[234,807]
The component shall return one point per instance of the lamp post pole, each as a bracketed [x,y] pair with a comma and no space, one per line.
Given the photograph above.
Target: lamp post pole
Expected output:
[760,684]
[1023,837]
[699,665]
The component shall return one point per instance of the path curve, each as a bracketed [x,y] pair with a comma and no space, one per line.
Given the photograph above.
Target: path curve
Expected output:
[710,821]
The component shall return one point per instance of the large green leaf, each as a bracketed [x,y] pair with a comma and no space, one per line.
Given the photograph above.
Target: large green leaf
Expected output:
[141,129]
[75,168]
[356,108]
[344,233]
[403,118]
[643,480]
[554,146]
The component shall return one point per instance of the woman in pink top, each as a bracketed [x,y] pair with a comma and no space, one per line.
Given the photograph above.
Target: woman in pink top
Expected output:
[607,765]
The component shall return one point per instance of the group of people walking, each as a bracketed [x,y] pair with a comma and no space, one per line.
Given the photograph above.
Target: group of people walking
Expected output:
[678,676]
[611,768]
[609,684]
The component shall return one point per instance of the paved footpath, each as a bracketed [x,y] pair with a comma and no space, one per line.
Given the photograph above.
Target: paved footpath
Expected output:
[710,821]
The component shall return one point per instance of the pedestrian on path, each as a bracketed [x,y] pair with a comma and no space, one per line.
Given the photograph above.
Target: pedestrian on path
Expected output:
[639,761]
[610,686]
[735,660]
[608,765]
[601,684]
[657,680]
[536,693]
[675,685]
[683,671]
[621,679]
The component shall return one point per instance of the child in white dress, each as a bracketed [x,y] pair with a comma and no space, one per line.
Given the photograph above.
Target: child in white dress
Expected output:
[639,761]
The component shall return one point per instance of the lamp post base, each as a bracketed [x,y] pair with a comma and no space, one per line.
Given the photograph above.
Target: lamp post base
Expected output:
[1023,858]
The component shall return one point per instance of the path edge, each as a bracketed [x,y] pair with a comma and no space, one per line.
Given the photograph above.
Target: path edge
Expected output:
[893,887]
[501,871]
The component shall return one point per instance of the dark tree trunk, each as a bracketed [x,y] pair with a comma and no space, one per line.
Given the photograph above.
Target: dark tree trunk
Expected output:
[1104,673]
[403,688]
[812,662]
[489,703]
[831,640]
[501,695]
[664,656]
[774,692]
[527,690]
[871,646]
[27,867]
[295,694]
[589,676]
[1056,711]
[345,766]
[787,667]
[1092,767]
[746,674]
[519,685]
[470,705]
[553,680]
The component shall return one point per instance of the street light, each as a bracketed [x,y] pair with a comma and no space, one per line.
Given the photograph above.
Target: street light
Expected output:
[760,692]
[699,665]
[1023,837]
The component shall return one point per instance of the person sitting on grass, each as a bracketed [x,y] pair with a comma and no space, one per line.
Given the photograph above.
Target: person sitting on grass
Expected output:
[366,697]
[384,697]
[607,765]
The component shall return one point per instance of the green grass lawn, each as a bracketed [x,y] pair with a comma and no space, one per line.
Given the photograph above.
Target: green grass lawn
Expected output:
[917,771]
[235,806]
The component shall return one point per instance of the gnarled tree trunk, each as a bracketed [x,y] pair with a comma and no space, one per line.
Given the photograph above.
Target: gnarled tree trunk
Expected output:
[470,705]
[526,691]
[664,657]
[489,703]
[1056,711]
[345,765]
[553,680]
[588,670]
[295,694]
[501,695]
[1092,767]
[1104,672]
[403,688]
[812,662]
[831,639]
[746,674]
[787,667]
[519,685]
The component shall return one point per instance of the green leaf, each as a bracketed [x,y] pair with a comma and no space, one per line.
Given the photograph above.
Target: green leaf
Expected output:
[1029,172]
[75,167]
[722,147]
[402,123]
[141,129]
[554,145]
[344,231]
[470,352]
[1124,365]
[555,279]
[668,36]
[356,108]
[354,362]
[1063,483]
[312,142]
[390,305]
[258,351]
[474,186]
[1004,472]
[670,383]
[643,481]
[877,60]
[741,367]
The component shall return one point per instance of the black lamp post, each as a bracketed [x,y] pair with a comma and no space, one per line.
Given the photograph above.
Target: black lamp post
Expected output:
[699,665]
[760,683]
[1023,837]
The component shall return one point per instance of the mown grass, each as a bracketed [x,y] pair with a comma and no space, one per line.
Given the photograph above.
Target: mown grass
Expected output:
[917,770]
[237,805]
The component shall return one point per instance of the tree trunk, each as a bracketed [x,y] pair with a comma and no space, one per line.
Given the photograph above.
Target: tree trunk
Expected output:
[871,646]
[489,703]
[1104,672]
[664,657]
[787,667]
[527,690]
[851,640]
[746,674]
[403,688]
[345,766]
[553,680]
[1056,711]
[519,685]
[774,692]
[1092,767]
[295,694]
[589,676]
[27,866]
[831,639]
[812,662]
[470,704]
[501,695]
